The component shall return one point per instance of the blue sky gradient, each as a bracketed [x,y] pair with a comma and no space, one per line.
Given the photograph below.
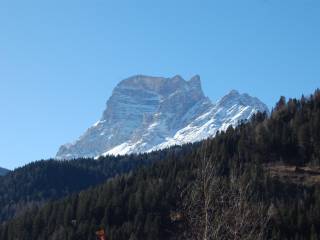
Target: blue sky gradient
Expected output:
[59,60]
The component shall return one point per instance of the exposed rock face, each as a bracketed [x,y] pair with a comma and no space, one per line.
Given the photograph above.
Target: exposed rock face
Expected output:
[149,113]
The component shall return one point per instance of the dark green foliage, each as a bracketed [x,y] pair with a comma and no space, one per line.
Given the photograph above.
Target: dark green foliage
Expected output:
[38,182]
[135,205]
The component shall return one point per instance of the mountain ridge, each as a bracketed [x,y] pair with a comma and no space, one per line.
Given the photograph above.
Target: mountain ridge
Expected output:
[3,171]
[146,113]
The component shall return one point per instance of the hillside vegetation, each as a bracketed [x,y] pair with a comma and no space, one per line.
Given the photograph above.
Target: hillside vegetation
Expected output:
[41,181]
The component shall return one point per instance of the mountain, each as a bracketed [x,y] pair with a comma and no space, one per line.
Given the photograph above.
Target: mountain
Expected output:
[150,113]
[3,171]
[267,169]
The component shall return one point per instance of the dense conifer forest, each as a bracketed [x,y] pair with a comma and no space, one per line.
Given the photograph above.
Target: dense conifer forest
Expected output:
[260,180]
[40,181]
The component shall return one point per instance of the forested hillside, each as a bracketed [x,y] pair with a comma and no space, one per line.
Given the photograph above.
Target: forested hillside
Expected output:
[38,182]
[220,189]
[3,171]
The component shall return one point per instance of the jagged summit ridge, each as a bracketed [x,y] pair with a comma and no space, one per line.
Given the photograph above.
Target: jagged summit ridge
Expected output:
[147,113]
[160,85]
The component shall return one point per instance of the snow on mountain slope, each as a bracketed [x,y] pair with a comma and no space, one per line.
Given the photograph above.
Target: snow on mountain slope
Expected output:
[150,113]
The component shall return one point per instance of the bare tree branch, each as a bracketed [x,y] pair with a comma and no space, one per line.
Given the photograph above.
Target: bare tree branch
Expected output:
[219,207]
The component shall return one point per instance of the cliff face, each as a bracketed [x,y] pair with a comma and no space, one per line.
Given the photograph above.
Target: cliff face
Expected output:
[149,113]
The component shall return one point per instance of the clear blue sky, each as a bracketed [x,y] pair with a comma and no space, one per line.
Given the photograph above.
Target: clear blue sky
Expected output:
[59,60]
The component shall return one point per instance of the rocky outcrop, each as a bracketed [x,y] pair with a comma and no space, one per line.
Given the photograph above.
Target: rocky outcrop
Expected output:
[148,113]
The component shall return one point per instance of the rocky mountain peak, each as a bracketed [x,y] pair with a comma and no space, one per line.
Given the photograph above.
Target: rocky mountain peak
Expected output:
[160,85]
[244,99]
[147,113]
[195,82]
[143,82]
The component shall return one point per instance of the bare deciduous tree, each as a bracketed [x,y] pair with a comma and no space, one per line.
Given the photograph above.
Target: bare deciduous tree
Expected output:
[220,207]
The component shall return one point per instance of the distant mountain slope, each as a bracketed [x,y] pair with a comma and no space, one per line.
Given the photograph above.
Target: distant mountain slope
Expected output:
[3,171]
[151,113]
